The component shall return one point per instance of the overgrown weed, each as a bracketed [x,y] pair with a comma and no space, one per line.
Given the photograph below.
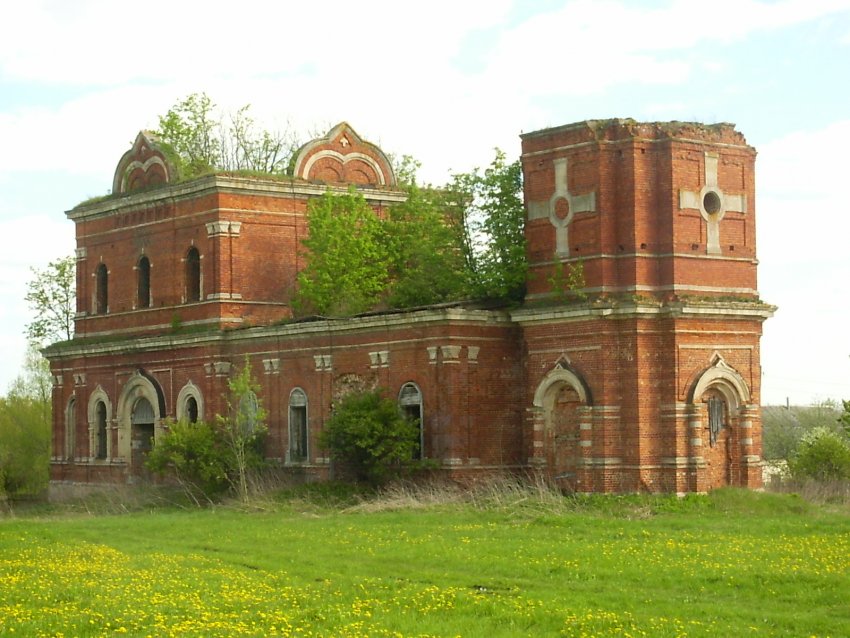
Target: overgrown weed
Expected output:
[523,496]
[101,500]
[834,492]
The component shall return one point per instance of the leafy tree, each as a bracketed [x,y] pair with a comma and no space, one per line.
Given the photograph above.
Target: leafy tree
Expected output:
[368,434]
[201,143]
[489,211]
[243,430]
[425,251]
[348,267]
[246,147]
[196,455]
[51,295]
[783,428]
[25,417]
[844,419]
[466,240]
[823,455]
[189,129]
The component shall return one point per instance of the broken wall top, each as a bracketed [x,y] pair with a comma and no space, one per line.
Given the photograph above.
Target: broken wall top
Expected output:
[617,130]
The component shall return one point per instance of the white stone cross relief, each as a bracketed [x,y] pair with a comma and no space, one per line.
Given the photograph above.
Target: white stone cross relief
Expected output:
[712,203]
[563,206]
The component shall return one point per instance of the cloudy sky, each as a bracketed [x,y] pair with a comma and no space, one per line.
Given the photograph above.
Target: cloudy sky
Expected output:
[447,82]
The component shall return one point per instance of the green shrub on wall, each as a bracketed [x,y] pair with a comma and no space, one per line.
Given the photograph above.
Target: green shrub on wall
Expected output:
[368,435]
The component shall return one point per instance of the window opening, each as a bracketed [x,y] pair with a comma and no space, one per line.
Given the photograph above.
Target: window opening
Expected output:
[100,429]
[249,408]
[193,275]
[410,402]
[142,431]
[297,426]
[192,410]
[71,429]
[144,273]
[101,290]
[716,418]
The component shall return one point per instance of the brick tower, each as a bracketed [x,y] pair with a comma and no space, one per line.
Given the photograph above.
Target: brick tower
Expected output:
[642,321]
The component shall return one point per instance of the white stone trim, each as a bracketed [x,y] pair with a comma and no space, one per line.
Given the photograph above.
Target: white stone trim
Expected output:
[223,227]
[727,380]
[343,159]
[555,376]
[271,366]
[138,386]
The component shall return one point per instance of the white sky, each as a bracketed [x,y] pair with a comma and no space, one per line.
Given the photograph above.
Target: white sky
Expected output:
[447,82]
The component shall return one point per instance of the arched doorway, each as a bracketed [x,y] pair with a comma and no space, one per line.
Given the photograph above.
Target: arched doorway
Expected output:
[718,397]
[561,399]
[141,408]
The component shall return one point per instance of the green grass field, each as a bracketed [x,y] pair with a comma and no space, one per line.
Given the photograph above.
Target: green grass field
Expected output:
[728,564]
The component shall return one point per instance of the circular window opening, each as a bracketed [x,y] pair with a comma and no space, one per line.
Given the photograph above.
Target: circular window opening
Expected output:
[562,208]
[711,203]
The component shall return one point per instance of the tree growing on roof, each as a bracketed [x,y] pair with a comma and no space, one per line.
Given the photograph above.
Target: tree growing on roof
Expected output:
[201,141]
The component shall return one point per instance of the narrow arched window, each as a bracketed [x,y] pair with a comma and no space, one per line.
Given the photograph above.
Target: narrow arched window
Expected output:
[193,275]
[100,430]
[298,426]
[144,281]
[71,429]
[101,285]
[410,402]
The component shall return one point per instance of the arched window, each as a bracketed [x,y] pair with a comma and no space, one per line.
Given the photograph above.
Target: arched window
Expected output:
[410,402]
[298,426]
[249,408]
[193,275]
[71,429]
[144,281]
[100,430]
[190,404]
[101,295]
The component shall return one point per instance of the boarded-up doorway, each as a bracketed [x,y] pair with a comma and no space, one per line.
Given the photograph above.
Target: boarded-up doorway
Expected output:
[561,434]
[142,434]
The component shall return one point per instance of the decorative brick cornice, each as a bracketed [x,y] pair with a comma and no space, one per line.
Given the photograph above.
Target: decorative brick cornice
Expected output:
[223,183]
[612,309]
[136,343]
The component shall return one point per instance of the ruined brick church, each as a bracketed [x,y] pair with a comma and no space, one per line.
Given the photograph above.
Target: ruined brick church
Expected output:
[650,383]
